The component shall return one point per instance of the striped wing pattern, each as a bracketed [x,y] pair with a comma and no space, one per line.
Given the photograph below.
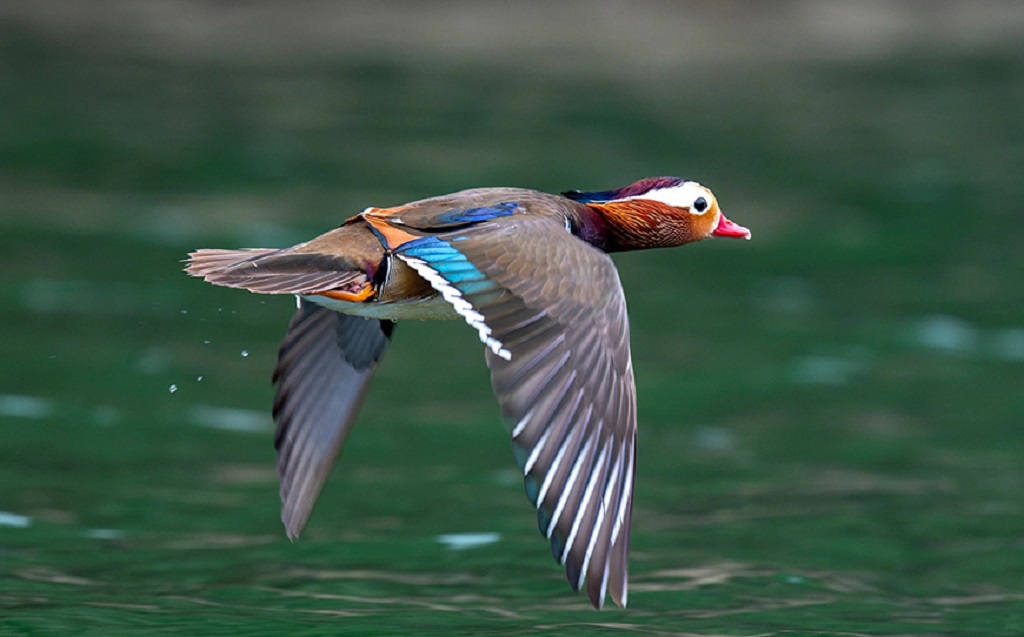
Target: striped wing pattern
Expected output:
[551,311]
[324,367]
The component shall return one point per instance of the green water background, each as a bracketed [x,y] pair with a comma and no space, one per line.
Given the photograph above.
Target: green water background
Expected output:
[831,414]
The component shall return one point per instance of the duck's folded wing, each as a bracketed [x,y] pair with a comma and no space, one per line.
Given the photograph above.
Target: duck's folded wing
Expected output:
[551,311]
[324,368]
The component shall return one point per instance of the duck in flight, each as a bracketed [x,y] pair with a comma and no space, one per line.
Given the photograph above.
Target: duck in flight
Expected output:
[530,272]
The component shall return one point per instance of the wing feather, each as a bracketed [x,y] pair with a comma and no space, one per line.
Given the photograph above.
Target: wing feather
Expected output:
[324,368]
[558,351]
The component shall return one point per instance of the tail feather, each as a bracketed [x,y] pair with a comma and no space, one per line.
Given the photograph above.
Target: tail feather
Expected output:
[269,271]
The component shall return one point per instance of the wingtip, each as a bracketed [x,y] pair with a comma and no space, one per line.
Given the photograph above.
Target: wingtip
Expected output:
[623,600]
[291,529]
[293,519]
[598,602]
[618,597]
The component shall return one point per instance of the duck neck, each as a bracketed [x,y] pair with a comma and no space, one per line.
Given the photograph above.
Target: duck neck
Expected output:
[634,224]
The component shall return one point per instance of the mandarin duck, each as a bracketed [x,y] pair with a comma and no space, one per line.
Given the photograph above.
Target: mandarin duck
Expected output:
[529,271]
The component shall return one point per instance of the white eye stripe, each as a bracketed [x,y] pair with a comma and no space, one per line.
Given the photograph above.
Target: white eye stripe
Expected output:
[682,196]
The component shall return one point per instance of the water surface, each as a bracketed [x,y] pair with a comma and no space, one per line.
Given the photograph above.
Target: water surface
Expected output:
[830,414]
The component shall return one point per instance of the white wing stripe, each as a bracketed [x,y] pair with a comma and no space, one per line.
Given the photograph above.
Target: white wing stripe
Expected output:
[595,472]
[461,306]
[556,463]
[535,453]
[518,429]
[627,491]
[571,480]
[599,522]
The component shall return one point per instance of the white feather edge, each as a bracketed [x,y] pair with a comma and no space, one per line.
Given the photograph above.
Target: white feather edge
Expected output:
[588,492]
[571,480]
[556,463]
[462,307]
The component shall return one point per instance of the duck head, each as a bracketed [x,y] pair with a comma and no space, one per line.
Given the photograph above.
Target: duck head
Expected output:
[658,212]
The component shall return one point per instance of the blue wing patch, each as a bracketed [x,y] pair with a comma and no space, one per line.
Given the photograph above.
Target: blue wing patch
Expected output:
[447,261]
[476,215]
[459,281]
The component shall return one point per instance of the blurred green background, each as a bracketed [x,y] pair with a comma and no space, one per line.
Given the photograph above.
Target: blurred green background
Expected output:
[830,414]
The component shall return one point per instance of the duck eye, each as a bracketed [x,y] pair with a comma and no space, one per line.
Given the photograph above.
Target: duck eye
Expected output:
[700,204]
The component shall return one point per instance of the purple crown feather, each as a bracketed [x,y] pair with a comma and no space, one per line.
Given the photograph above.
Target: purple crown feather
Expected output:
[632,190]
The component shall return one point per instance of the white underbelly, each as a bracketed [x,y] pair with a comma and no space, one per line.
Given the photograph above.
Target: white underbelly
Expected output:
[429,308]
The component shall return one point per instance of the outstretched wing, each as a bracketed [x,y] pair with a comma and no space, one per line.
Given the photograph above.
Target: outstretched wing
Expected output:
[551,311]
[324,368]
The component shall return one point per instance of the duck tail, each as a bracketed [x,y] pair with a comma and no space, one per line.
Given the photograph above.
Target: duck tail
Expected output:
[270,271]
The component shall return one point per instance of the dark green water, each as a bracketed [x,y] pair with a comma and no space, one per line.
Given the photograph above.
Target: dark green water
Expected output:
[831,414]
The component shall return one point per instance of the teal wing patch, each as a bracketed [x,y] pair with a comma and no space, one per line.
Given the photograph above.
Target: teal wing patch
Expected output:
[455,277]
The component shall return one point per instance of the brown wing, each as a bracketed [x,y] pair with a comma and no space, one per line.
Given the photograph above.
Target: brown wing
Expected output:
[275,271]
[324,368]
[468,207]
[552,313]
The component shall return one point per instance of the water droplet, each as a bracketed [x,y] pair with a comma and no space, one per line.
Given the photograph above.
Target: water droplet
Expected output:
[206,342]
[184,311]
[245,353]
[172,388]
[199,378]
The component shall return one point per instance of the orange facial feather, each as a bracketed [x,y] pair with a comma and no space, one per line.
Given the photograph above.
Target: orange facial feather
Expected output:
[643,223]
